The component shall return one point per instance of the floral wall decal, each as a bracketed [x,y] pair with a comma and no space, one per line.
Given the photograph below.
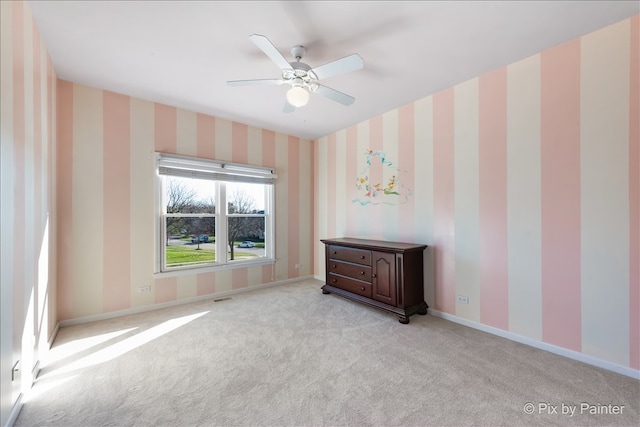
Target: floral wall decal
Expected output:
[380,182]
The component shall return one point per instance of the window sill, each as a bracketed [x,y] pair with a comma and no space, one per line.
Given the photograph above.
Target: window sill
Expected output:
[189,271]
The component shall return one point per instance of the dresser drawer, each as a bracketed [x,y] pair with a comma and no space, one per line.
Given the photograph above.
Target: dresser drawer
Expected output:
[359,256]
[355,286]
[356,271]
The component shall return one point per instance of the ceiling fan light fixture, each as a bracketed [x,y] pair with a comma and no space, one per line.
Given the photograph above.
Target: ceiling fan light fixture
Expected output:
[297,96]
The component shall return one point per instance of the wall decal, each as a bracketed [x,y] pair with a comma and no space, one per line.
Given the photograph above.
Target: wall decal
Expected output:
[380,182]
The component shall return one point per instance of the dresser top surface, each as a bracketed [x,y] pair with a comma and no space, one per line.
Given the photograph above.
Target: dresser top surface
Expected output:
[374,244]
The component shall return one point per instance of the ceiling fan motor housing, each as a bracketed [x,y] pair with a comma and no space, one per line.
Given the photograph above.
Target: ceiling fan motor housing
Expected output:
[302,77]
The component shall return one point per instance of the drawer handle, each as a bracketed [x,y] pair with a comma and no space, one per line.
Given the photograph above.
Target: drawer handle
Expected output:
[334,280]
[362,273]
[362,288]
[361,256]
[374,275]
[335,252]
[333,266]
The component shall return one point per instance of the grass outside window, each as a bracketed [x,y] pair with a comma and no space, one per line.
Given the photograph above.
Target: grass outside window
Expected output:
[177,256]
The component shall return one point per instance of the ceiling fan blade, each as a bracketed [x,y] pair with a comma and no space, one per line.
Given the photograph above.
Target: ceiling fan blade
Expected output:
[335,95]
[339,66]
[255,82]
[270,50]
[288,108]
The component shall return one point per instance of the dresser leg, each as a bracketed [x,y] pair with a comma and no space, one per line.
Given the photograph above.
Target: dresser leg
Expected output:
[422,309]
[325,292]
[403,319]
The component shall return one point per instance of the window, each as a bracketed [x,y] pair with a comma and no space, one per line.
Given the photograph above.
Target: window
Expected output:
[213,213]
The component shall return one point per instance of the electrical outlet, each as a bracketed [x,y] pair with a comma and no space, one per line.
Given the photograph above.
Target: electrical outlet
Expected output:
[144,289]
[462,299]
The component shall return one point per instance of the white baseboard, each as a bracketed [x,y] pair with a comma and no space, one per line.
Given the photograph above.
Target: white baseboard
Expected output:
[146,308]
[54,334]
[575,355]
[15,411]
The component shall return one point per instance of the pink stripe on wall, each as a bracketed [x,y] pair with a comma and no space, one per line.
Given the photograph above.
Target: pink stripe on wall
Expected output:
[37,138]
[634,196]
[406,162]
[206,131]
[443,202]
[560,202]
[64,202]
[19,185]
[267,273]
[166,129]
[206,283]
[116,193]
[293,210]
[492,168]
[240,278]
[315,186]
[51,84]
[166,289]
[240,143]
[331,207]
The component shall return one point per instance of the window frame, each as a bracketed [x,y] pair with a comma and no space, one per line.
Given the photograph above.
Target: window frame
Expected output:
[219,173]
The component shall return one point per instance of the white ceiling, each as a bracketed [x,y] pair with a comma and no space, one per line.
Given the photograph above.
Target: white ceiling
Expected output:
[182,52]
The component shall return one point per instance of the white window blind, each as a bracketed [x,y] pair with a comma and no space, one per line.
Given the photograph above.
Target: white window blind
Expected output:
[191,167]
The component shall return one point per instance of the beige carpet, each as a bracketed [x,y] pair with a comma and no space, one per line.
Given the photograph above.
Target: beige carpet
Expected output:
[291,356]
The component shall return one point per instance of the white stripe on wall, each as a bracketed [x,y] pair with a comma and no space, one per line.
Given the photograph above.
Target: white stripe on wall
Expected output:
[87,190]
[524,244]
[254,146]
[30,229]
[254,276]
[466,197]
[142,201]
[187,286]
[390,147]
[47,264]
[224,281]
[254,157]
[604,175]
[223,144]
[281,203]
[187,132]
[364,223]
[305,232]
[321,203]
[7,170]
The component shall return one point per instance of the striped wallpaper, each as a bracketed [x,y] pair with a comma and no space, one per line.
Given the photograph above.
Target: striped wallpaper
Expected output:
[524,182]
[27,199]
[106,172]
[525,185]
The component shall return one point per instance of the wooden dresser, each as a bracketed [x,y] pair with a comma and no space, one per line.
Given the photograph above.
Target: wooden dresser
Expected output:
[385,275]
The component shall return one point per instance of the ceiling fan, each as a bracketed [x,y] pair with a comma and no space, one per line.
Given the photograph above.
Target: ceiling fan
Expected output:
[302,78]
